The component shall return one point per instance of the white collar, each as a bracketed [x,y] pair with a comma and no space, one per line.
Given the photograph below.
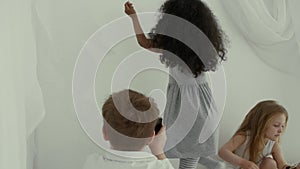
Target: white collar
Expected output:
[128,156]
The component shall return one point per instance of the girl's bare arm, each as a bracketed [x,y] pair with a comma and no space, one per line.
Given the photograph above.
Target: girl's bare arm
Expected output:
[278,157]
[226,153]
[140,36]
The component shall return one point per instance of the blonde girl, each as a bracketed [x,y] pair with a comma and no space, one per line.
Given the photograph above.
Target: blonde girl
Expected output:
[255,145]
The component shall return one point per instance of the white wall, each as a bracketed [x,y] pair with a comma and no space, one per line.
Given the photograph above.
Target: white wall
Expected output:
[64,27]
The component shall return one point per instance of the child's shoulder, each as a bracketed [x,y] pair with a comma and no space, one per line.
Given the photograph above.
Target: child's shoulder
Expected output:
[243,133]
[235,142]
[240,137]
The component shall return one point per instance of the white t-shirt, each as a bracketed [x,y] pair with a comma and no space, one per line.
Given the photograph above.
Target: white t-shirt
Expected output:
[126,160]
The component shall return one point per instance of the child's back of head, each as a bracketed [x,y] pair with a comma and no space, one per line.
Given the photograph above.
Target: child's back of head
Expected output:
[129,120]
[198,14]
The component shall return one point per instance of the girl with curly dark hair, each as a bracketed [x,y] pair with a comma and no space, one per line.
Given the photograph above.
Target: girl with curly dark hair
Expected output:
[191,43]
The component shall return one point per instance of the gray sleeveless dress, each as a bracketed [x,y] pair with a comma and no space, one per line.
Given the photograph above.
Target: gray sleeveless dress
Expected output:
[189,103]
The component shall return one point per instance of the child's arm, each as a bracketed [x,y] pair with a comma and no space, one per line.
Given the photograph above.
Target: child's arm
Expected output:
[278,157]
[140,36]
[158,144]
[226,153]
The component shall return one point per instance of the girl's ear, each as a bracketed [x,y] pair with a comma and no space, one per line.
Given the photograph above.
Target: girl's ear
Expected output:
[104,134]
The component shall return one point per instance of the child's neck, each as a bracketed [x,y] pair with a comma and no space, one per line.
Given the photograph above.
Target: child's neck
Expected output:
[118,149]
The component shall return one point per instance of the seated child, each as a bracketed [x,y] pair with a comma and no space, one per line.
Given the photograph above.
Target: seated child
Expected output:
[129,119]
[255,145]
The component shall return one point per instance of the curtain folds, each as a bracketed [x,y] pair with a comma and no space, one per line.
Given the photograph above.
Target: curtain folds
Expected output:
[269,28]
[21,99]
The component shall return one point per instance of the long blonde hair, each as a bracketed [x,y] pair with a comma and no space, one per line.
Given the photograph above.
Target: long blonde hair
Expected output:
[256,123]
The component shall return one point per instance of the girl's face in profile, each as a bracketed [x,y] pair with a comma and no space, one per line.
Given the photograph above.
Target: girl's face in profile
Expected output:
[276,127]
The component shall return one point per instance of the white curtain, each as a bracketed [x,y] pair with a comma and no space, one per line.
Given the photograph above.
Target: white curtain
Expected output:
[271,29]
[21,101]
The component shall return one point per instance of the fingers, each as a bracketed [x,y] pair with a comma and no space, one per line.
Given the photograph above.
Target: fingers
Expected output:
[162,130]
[128,5]
[161,135]
[158,143]
[129,9]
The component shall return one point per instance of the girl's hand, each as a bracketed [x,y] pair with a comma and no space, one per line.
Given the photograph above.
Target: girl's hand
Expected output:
[129,9]
[249,165]
[298,166]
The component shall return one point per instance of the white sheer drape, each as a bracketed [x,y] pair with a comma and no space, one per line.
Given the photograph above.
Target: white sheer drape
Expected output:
[269,27]
[293,6]
[21,101]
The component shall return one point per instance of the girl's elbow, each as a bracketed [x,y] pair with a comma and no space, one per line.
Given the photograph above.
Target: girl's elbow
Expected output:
[222,152]
[144,45]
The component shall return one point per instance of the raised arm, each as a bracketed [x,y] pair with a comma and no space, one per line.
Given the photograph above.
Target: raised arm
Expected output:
[226,153]
[140,36]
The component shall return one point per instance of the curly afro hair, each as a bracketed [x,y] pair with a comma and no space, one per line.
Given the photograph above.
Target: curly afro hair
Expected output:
[197,13]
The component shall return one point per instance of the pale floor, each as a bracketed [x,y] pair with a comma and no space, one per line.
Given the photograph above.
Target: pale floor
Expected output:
[175,164]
